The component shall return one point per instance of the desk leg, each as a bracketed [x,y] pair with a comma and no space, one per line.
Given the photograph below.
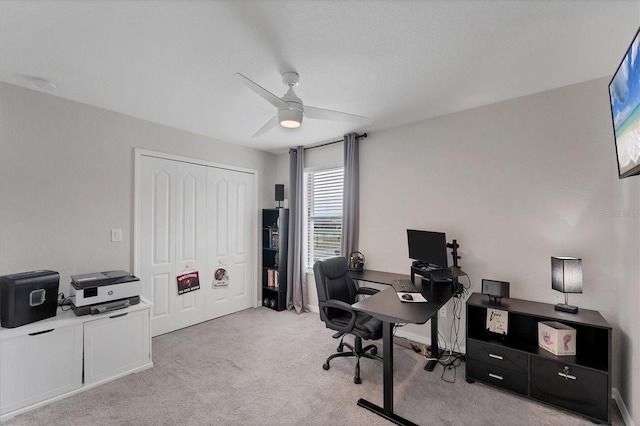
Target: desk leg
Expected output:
[387,357]
[434,344]
[387,384]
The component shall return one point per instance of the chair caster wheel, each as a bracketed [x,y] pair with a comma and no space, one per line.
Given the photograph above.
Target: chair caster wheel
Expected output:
[325,366]
[374,351]
[357,380]
[340,348]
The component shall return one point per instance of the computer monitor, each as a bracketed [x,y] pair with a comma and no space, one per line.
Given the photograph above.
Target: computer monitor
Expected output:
[429,248]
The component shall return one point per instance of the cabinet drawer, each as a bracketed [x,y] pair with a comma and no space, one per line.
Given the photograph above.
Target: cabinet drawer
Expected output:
[116,345]
[497,376]
[497,355]
[37,366]
[570,387]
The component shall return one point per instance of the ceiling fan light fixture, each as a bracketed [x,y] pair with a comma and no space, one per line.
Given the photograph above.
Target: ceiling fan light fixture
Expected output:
[290,118]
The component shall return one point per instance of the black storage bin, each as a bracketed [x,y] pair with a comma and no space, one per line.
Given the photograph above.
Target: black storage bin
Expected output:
[28,297]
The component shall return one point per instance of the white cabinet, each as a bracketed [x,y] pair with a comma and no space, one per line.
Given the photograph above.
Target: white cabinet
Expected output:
[30,373]
[115,345]
[43,362]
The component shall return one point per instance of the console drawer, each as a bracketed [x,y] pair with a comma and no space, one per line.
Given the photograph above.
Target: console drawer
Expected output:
[571,387]
[497,355]
[497,376]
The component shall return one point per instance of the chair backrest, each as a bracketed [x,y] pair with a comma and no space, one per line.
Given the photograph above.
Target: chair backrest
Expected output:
[333,282]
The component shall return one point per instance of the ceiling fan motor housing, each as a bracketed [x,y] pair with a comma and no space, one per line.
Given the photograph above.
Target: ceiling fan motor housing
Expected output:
[291,117]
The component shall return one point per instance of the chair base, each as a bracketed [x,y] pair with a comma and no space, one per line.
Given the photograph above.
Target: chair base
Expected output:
[358,351]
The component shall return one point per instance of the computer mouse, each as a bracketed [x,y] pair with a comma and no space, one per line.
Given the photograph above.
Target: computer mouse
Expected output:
[407,297]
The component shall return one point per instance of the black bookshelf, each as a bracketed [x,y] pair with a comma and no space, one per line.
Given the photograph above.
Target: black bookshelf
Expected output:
[275,237]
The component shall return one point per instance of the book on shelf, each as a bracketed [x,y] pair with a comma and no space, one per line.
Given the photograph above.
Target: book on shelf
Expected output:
[275,240]
[272,278]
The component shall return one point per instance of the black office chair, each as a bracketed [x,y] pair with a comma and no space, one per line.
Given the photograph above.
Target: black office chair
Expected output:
[337,291]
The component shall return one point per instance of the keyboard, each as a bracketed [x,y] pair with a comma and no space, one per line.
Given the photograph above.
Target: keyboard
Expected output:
[404,286]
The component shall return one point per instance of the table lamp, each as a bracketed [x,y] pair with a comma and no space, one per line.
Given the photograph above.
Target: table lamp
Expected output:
[566,277]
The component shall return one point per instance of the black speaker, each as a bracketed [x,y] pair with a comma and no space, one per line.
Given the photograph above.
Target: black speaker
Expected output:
[279,192]
[497,289]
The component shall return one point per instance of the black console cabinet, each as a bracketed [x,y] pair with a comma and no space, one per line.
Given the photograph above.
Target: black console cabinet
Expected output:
[275,238]
[580,383]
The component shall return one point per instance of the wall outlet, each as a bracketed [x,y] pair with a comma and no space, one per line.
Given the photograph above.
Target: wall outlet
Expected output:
[442,313]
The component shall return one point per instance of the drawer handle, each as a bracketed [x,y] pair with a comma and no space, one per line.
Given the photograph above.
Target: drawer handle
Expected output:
[41,332]
[566,376]
[495,356]
[495,376]
[119,315]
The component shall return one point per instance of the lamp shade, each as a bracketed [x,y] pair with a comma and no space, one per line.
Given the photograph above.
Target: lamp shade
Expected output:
[566,274]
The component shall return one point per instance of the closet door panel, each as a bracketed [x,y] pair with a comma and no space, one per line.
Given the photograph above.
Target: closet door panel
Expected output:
[157,187]
[172,239]
[191,237]
[229,220]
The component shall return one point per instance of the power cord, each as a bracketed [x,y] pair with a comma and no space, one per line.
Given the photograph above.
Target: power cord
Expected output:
[64,302]
[455,355]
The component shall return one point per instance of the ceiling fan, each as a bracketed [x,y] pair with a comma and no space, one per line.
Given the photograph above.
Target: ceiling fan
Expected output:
[291,110]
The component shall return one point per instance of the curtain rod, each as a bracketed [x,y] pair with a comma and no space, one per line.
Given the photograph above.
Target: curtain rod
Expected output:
[364,135]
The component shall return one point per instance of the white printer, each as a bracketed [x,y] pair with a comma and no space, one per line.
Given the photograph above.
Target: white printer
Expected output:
[104,291]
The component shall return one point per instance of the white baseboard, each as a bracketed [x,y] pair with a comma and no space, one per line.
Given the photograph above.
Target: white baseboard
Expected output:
[624,412]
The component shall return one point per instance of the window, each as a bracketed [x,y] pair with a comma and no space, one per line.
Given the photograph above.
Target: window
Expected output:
[323,197]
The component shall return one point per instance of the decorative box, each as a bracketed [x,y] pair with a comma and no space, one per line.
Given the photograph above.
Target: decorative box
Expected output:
[557,338]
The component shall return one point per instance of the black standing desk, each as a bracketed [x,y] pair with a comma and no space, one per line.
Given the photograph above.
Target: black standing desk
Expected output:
[387,307]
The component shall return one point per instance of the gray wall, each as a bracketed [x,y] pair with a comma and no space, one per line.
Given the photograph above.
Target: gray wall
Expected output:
[515,183]
[66,179]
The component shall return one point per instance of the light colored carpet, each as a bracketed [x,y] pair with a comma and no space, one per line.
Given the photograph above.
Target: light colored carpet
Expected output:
[261,367]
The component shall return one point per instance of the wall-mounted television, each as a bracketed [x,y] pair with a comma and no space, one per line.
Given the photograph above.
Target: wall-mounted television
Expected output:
[624,92]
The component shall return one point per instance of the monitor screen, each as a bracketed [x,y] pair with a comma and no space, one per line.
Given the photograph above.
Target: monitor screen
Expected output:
[624,91]
[428,247]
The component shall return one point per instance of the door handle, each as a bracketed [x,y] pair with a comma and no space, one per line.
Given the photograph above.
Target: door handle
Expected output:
[566,376]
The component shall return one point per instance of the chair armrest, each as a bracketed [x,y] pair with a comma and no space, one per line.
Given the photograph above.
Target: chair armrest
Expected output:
[367,290]
[339,304]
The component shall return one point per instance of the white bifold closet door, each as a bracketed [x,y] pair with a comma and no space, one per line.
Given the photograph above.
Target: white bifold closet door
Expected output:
[194,217]
[231,239]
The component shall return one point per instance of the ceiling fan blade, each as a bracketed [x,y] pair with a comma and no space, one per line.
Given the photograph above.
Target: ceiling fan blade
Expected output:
[268,126]
[327,114]
[261,91]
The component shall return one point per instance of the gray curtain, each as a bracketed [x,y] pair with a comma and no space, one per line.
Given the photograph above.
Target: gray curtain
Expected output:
[351,196]
[297,285]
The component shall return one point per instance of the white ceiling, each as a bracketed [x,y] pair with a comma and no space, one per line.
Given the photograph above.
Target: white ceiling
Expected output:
[398,62]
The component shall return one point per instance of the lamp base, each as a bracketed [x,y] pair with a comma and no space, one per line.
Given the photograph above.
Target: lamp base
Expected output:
[566,308]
